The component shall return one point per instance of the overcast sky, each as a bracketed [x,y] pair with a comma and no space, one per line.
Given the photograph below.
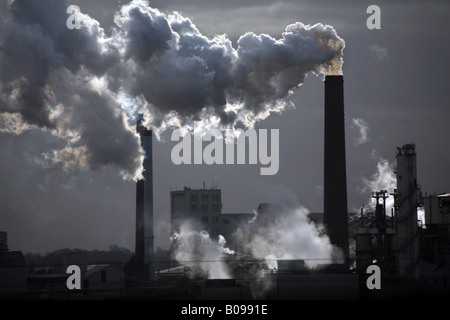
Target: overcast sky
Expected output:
[396,92]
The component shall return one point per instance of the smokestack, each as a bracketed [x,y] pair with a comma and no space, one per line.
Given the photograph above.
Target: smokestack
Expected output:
[335,178]
[407,204]
[144,206]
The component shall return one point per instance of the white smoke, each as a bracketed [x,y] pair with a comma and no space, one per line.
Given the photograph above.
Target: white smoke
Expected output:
[196,249]
[288,233]
[79,84]
[363,129]
[383,179]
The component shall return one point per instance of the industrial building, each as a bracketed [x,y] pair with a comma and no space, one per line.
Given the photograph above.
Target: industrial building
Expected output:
[202,208]
[435,243]
[414,259]
[13,268]
[410,257]
[437,210]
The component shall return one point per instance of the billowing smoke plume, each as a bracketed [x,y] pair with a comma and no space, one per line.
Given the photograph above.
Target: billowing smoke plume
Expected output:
[52,78]
[197,250]
[85,86]
[286,233]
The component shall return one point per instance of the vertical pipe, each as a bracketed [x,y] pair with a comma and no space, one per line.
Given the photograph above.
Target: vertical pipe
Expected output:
[407,227]
[148,202]
[139,244]
[335,176]
[144,206]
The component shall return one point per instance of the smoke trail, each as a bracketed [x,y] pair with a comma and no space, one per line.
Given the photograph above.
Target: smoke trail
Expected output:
[197,249]
[79,83]
[383,179]
[363,129]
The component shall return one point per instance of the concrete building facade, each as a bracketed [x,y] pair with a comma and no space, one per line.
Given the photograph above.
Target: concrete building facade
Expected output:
[202,209]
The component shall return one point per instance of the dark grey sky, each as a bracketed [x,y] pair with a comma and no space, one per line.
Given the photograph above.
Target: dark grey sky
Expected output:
[396,80]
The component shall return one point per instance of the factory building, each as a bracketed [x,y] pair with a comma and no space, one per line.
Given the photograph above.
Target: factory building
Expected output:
[410,257]
[392,241]
[202,209]
[435,243]
[437,211]
[13,268]
[198,206]
[414,259]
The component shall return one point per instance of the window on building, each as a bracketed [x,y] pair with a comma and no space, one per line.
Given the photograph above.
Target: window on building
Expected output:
[226,221]
[215,197]
[204,207]
[204,197]
[193,197]
[215,207]
[194,207]
[215,219]
[204,219]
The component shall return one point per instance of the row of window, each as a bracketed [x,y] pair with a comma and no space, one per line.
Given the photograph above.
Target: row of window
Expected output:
[205,207]
[205,197]
[214,220]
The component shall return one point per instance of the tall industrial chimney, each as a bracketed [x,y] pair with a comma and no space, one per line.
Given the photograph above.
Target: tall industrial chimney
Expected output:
[144,207]
[335,177]
[406,215]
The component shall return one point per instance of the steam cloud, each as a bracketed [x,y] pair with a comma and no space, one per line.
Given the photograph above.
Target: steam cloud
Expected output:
[383,179]
[85,86]
[197,249]
[288,233]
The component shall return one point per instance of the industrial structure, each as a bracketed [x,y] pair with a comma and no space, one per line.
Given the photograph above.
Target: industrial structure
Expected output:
[202,209]
[335,214]
[414,259]
[437,210]
[141,266]
[391,242]
[435,242]
[406,203]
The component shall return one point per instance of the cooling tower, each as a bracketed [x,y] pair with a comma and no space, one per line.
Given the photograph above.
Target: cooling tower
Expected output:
[335,178]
